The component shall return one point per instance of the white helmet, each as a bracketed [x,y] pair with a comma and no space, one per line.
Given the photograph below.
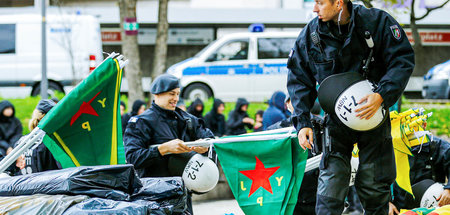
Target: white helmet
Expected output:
[346,104]
[429,197]
[200,174]
[340,94]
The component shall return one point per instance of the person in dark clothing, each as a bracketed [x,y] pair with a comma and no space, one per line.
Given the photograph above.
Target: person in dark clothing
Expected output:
[259,121]
[335,42]
[37,158]
[215,120]
[275,112]
[429,161]
[137,109]
[123,107]
[10,127]
[306,202]
[238,119]
[166,126]
[196,108]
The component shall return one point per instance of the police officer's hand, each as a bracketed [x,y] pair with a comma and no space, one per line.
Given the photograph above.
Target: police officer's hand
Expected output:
[175,146]
[392,209]
[373,102]
[248,120]
[444,198]
[305,138]
[199,149]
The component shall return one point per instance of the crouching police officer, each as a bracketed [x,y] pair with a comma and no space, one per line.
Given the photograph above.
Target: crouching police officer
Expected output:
[166,124]
[345,38]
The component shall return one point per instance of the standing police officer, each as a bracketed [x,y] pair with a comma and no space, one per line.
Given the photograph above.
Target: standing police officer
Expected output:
[332,43]
[166,124]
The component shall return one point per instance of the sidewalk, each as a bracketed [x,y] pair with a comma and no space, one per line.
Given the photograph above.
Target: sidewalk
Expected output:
[217,207]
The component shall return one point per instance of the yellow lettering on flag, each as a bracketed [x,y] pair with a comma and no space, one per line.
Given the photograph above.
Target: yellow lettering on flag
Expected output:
[279,179]
[102,102]
[242,186]
[259,200]
[86,125]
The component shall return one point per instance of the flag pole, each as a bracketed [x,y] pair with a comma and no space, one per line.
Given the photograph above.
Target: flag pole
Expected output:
[24,145]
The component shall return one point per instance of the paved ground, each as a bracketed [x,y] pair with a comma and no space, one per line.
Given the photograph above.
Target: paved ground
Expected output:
[217,207]
[225,207]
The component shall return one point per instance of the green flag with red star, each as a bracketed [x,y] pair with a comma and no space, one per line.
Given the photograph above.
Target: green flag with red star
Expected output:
[264,175]
[84,128]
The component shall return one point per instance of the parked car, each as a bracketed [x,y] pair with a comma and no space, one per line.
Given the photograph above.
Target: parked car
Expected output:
[250,65]
[436,83]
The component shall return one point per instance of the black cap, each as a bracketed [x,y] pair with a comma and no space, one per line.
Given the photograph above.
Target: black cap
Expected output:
[164,83]
[45,105]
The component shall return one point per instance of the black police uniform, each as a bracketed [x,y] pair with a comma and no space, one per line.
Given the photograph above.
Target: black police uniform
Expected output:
[320,51]
[157,126]
[430,161]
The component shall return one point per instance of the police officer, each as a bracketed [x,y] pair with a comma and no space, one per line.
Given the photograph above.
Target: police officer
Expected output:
[334,42]
[429,161]
[165,124]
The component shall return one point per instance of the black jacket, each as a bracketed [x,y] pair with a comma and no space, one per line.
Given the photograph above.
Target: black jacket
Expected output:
[10,128]
[191,109]
[215,121]
[310,62]
[134,111]
[235,126]
[433,162]
[156,126]
[37,159]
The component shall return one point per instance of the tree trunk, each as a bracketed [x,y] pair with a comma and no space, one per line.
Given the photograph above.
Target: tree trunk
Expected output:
[160,55]
[130,50]
[418,47]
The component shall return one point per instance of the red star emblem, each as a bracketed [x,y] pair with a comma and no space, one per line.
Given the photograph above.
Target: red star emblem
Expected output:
[85,108]
[260,176]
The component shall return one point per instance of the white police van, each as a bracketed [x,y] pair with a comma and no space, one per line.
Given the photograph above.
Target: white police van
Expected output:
[250,65]
[74,48]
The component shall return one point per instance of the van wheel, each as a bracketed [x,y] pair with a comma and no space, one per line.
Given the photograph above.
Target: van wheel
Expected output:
[52,88]
[197,90]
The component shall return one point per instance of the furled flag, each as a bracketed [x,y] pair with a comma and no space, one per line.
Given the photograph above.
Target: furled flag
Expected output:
[84,128]
[264,175]
[405,128]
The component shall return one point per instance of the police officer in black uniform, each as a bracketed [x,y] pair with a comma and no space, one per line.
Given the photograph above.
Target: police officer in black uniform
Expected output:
[332,43]
[165,124]
[430,161]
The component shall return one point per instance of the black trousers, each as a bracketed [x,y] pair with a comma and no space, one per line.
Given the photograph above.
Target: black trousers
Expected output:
[375,174]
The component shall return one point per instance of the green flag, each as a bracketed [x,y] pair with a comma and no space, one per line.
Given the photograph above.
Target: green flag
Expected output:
[264,175]
[84,128]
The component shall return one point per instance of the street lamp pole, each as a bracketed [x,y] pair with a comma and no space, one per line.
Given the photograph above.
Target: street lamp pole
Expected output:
[44,81]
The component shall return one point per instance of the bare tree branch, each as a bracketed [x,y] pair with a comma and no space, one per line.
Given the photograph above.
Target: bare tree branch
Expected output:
[431,9]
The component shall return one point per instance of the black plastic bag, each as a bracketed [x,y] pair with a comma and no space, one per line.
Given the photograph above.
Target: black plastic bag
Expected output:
[169,192]
[113,182]
[107,206]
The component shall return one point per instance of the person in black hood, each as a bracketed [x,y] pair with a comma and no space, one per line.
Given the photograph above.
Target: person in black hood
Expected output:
[215,120]
[238,118]
[137,109]
[10,126]
[196,108]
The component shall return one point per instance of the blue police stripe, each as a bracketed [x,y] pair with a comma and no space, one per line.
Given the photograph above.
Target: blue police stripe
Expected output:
[238,69]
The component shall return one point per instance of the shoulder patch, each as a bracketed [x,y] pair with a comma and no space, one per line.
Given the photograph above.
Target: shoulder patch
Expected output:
[133,119]
[396,32]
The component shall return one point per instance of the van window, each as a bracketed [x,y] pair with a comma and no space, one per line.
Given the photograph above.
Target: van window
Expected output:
[233,50]
[269,48]
[7,38]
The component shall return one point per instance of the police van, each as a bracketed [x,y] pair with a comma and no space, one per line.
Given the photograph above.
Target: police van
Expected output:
[250,65]
[74,48]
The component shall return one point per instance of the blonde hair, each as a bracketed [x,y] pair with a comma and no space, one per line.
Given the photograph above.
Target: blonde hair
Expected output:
[35,118]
